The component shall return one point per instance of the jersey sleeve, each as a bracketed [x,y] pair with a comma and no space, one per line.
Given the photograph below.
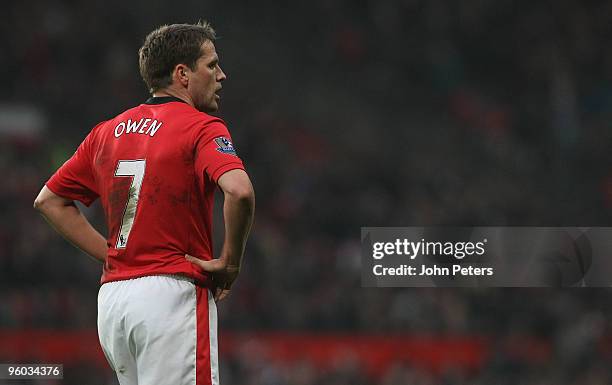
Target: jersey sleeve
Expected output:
[75,178]
[215,153]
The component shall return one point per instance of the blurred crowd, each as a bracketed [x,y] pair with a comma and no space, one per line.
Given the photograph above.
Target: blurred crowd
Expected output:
[346,114]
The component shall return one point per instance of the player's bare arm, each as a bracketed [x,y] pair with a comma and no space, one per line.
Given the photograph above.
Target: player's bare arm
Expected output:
[66,218]
[238,212]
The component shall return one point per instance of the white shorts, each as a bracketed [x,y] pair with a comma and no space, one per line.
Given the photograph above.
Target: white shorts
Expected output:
[159,330]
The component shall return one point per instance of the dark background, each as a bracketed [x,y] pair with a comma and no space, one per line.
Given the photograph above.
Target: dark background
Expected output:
[346,114]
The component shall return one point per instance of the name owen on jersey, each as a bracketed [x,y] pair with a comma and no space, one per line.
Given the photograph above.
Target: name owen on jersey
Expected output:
[146,126]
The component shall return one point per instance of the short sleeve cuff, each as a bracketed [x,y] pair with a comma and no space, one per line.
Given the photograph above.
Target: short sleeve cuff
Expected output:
[58,190]
[225,168]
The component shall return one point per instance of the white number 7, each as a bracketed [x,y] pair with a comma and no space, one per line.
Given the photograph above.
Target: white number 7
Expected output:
[135,169]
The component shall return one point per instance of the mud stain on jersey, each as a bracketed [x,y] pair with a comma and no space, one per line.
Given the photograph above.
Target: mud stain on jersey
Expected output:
[180,199]
[156,184]
[187,157]
[117,199]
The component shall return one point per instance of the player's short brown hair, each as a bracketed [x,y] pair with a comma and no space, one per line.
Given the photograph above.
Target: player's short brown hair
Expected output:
[168,46]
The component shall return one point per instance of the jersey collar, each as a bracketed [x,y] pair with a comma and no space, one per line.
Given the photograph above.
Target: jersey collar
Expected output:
[163,99]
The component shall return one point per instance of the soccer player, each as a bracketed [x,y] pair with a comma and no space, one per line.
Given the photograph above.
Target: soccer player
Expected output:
[155,168]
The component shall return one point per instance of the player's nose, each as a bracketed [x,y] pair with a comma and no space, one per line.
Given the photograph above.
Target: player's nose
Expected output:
[221,75]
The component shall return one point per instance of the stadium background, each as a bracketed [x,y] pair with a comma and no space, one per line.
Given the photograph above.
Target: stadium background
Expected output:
[347,114]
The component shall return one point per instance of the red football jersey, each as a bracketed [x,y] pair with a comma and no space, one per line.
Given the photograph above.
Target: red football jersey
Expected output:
[155,169]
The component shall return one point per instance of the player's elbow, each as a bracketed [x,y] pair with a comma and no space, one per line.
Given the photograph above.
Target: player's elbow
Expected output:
[40,203]
[237,187]
[43,205]
[243,193]
[47,200]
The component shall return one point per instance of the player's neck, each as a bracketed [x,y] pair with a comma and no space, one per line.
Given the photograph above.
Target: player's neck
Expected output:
[184,96]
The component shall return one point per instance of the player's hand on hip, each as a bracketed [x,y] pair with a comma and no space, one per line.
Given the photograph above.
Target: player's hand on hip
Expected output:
[223,275]
[212,266]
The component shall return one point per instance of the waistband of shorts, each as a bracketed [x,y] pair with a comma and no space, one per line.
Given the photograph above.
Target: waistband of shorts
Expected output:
[174,276]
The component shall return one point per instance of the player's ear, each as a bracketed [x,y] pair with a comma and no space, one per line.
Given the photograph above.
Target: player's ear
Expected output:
[181,74]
